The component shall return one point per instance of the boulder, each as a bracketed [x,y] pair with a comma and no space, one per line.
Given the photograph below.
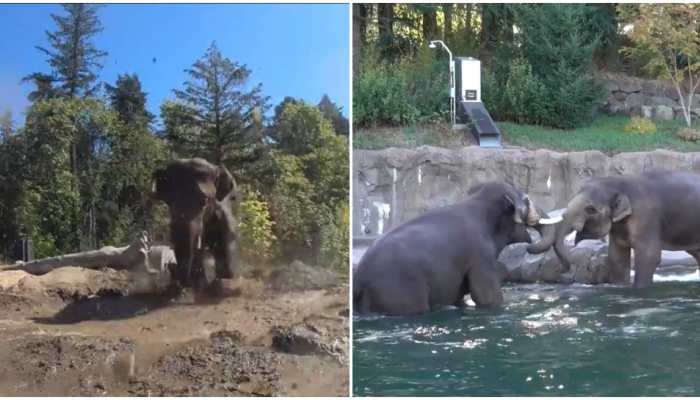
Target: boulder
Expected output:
[663,112]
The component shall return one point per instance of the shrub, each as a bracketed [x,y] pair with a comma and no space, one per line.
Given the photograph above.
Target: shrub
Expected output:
[640,125]
[335,237]
[380,96]
[257,239]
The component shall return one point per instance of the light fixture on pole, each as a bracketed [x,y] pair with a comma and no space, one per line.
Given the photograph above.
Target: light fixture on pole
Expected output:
[433,44]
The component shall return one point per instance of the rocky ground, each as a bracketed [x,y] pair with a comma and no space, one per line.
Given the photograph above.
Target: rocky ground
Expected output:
[79,332]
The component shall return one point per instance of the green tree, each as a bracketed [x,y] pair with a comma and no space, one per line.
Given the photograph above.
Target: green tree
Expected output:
[333,113]
[72,56]
[60,206]
[216,117]
[7,125]
[257,238]
[666,35]
[128,100]
[560,51]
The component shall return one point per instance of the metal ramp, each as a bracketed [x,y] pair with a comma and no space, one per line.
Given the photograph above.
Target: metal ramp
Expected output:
[483,128]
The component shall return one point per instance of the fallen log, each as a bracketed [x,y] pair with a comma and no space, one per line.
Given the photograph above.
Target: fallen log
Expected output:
[139,256]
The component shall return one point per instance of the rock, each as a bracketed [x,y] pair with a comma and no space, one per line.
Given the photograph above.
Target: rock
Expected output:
[663,112]
[297,340]
[648,112]
[634,103]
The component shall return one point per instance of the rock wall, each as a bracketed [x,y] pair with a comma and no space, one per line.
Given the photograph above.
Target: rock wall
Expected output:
[393,185]
[652,99]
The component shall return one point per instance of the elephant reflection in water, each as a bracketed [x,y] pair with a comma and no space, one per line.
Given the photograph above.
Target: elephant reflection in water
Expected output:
[203,230]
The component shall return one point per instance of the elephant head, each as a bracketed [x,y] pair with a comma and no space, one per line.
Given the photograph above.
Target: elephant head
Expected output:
[190,187]
[520,211]
[591,213]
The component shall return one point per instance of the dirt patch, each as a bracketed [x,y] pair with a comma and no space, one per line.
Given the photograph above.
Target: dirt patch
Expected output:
[299,276]
[41,365]
[81,334]
[221,366]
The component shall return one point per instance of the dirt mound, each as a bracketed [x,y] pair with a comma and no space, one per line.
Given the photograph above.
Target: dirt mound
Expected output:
[298,276]
[78,365]
[221,366]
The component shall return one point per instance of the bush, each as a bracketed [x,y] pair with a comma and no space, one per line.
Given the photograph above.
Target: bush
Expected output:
[257,239]
[380,97]
[335,237]
[406,91]
[640,125]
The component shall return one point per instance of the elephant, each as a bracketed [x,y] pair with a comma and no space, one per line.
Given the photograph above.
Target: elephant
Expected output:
[203,229]
[650,212]
[437,258]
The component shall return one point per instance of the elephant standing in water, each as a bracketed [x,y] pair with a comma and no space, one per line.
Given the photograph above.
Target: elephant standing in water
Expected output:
[199,196]
[439,257]
[650,212]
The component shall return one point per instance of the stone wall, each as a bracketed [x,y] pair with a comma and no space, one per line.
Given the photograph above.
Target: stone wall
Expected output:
[652,99]
[393,185]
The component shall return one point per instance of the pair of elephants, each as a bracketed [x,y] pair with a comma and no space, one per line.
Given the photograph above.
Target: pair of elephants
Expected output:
[439,257]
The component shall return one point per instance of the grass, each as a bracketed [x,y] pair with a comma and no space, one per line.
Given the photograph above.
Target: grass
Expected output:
[606,134]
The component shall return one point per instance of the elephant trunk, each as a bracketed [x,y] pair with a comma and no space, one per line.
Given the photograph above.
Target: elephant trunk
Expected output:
[548,234]
[563,252]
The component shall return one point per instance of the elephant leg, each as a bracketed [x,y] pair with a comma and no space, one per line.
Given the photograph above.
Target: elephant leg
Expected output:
[399,297]
[485,286]
[647,256]
[221,237]
[619,264]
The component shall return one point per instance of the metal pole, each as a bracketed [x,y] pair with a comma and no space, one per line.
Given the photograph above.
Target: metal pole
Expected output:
[453,101]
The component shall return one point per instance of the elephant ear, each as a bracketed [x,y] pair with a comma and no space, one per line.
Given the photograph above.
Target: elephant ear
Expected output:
[621,207]
[225,184]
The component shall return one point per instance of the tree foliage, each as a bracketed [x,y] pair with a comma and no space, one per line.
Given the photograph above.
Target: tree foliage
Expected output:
[667,37]
[72,56]
[216,117]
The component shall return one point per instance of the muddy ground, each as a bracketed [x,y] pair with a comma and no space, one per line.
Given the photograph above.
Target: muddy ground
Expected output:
[78,332]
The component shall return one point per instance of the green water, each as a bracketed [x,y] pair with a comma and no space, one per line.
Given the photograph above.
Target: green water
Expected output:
[547,340]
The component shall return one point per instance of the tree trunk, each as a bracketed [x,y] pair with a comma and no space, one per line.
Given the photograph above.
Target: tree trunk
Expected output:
[447,32]
[468,33]
[429,24]
[385,21]
[359,32]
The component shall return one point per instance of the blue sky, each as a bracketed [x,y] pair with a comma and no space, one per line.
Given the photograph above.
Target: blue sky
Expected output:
[293,50]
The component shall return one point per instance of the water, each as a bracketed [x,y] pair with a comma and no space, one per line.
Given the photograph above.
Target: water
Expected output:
[547,340]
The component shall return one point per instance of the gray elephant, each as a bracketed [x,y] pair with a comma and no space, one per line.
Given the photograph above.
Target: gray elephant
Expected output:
[650,212]
[440,256]
[203,230]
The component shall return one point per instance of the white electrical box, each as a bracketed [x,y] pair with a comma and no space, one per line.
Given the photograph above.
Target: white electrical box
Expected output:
[468,79]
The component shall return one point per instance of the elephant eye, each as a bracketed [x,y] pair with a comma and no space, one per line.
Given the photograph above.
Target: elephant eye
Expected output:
[590,210]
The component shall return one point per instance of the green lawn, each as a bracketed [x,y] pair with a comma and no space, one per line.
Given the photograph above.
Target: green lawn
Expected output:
[606,134]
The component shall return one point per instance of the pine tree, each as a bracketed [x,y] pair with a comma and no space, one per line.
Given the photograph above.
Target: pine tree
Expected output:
[333,113]
[217,118]
[128,100]
[72,56]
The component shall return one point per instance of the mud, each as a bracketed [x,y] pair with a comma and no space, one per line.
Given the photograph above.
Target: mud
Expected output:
[69,335]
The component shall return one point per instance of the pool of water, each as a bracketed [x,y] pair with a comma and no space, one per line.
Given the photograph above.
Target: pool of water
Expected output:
[547,340]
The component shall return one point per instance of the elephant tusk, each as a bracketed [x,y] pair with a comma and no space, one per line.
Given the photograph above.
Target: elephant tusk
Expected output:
[550,221]
[199,242]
